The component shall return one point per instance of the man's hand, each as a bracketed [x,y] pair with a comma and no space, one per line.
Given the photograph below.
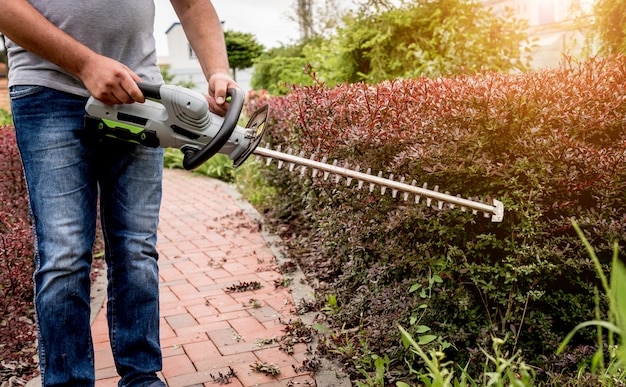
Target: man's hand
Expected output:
[110,81]
[219,83]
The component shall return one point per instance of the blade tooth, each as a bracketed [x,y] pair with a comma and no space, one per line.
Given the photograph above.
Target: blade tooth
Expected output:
[316,171]
[383,188]
[419,197]
[349,179]
[291,165]
[302,168]
[279,148]
[325,160]
[463,209]
[368,172]
[394,192]
[485,214]
[439,202]
[429,201]
[450,205]
[268,161]
[313,173]
[406,194]
[326,173]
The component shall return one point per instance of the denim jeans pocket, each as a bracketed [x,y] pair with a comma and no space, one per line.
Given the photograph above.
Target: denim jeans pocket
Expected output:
[16,92]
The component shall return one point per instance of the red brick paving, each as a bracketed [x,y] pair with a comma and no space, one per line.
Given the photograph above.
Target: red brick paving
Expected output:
[208,244]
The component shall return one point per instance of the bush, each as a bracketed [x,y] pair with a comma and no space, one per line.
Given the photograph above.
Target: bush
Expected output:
[17,335]
[550,144]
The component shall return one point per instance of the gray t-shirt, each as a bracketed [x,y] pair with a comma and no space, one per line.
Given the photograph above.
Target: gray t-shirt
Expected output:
[118,29]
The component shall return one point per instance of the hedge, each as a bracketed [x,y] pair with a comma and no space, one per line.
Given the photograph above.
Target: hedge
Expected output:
[17,333]
[550,144]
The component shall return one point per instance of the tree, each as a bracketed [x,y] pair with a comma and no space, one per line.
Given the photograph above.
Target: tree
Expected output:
[422,38]
[304,16]
[278,68]
[243,49]
[610,25]
[317,18]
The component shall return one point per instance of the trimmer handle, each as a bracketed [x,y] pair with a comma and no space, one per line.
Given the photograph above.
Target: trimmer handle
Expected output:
[194,159]
[150,90]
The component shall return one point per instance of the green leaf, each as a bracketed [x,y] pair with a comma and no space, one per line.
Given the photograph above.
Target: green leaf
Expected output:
[320,328]
[423,340]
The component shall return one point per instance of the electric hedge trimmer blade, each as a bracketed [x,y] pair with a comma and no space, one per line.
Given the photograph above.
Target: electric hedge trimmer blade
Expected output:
[176,117]
[495,211]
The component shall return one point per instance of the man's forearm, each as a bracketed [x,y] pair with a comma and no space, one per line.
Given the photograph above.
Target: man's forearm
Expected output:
[204,31]
[25,26]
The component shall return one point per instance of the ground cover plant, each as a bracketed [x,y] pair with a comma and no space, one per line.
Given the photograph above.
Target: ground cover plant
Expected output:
[550,144]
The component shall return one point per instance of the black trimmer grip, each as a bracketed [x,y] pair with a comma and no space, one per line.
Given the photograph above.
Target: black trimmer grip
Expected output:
[150,91]
[193,160]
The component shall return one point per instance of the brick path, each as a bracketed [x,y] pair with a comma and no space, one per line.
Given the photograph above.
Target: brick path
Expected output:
[208,243]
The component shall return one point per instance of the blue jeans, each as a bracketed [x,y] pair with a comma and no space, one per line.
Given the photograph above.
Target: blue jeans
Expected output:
[67,168]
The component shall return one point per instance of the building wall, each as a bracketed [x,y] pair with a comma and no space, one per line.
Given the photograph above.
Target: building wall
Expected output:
[550,27]
[182,61]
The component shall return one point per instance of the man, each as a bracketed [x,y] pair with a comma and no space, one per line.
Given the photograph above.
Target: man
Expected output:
[60,52]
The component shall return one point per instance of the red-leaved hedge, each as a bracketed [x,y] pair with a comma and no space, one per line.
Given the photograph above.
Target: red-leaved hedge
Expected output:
[17,333]
[550,144]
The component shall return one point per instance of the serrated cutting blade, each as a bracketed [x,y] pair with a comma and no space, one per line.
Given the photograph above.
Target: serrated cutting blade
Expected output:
[495,210]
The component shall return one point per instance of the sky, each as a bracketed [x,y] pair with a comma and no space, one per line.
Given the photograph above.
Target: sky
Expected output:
[268,20]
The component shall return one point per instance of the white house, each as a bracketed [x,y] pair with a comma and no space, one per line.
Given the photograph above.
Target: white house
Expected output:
[183,63]
[551,25]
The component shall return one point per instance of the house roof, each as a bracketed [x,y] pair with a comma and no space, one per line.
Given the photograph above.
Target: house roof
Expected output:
[172,26]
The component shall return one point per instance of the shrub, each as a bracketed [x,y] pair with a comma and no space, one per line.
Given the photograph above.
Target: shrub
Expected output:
[16,264]
[550,144]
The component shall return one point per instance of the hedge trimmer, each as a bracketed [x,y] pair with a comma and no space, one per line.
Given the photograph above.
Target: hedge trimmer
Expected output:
[176,117]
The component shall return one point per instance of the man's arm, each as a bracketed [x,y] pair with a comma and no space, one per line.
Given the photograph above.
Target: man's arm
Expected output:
[204,31]
[106,79]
